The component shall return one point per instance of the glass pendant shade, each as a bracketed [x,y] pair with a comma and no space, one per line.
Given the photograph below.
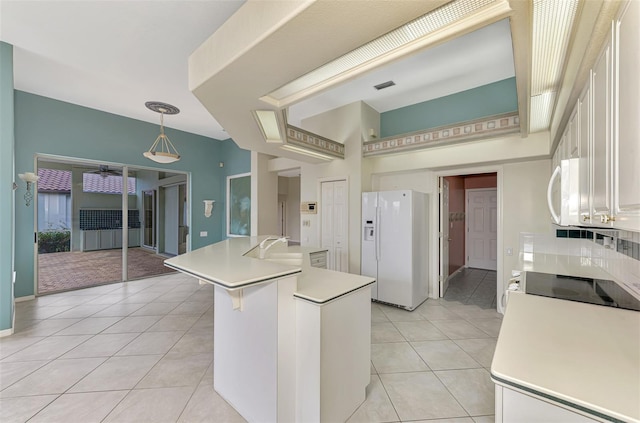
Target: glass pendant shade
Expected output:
[162,150]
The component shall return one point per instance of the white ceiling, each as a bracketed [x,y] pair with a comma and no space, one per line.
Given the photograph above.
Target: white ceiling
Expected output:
[115,55]
[472,60]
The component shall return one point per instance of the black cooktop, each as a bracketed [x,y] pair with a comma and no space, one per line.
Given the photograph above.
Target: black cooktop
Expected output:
[585,290]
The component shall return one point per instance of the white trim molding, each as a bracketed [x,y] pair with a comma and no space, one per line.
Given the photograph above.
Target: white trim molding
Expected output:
[25,298]
[6,332]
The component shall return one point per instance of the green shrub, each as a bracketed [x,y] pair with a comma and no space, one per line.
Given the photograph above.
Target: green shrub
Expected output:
[54,241]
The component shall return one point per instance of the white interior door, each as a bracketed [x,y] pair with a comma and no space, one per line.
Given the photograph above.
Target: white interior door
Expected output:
[171,220]
[482,228]
[334,228]
[444,237]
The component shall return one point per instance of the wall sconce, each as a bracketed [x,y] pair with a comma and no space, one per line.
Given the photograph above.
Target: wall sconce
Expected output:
[29,178]
[208,207]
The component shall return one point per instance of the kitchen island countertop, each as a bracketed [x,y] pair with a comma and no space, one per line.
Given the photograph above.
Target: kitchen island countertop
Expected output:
[226,264]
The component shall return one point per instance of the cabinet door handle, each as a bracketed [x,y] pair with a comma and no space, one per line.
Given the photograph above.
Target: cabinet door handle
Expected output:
[605,218]
[556,174]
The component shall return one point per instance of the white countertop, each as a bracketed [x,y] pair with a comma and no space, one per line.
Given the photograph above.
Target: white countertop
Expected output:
[321,286]
[224,264]
[583,355]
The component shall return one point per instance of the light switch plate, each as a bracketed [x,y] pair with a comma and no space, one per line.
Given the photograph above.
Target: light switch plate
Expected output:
[203,234]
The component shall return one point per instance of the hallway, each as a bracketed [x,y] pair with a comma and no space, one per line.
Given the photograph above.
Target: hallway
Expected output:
[473,286]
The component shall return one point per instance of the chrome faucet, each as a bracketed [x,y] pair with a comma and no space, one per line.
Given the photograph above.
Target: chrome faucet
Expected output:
[275,240]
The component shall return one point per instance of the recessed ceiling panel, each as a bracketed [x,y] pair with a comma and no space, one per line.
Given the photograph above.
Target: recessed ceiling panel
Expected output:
[475,59]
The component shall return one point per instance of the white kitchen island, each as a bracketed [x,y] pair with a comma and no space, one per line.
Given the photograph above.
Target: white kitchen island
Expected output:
[291,342]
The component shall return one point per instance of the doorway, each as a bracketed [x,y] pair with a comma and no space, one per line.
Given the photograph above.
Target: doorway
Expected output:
[92,221]
[446,224]
[149,219]
[282,218]
[469,275]
[289,205]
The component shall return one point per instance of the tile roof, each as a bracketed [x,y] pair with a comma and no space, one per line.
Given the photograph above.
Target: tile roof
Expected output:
[108,184]
[53,180]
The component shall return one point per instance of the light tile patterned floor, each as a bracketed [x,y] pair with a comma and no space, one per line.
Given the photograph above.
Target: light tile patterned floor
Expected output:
[143,352]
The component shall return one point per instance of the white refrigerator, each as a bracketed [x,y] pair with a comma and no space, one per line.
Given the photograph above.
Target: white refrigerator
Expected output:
[395,246]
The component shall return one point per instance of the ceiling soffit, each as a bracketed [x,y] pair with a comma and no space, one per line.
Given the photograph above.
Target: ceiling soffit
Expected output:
[455,18]
[284,52]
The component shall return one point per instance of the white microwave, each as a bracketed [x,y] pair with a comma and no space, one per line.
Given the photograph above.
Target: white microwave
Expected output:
[567,175]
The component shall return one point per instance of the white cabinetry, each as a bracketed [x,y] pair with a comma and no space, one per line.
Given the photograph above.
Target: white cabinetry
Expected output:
[626,130]
[134,237]
[572,138]
[584,142]
[107,239]
[331,380]
[318,259]
[604,129]
[601,168]
[90,240]
[513,406]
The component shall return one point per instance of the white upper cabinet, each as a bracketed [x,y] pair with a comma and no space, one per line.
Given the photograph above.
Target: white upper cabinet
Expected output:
[572,140]
[584,142]
[604,129]
[602,114]
[626,130]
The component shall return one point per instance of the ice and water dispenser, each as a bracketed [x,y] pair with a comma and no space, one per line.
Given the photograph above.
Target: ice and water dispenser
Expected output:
[368,230]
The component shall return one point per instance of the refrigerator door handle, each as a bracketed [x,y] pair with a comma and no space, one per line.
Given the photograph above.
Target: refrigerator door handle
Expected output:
[377,235]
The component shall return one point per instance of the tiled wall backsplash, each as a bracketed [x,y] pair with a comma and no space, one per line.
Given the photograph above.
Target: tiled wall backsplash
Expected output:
[625,242]
[615,251]
[92,219]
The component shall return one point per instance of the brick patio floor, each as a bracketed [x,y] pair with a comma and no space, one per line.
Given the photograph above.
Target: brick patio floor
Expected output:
[73,270]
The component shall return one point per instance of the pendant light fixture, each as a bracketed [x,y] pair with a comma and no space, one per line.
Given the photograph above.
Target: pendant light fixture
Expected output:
[162,150]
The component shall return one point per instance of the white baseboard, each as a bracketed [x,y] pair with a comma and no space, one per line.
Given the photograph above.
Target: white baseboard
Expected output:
[6,332]
[26,298]
[458,270]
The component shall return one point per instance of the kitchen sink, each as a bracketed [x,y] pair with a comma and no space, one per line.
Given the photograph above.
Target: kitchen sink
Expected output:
[293,259]
[290,261]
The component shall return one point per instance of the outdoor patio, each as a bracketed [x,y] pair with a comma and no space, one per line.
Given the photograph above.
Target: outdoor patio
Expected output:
[73,270]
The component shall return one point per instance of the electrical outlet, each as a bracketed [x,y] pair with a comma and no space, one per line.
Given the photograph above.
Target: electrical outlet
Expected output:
[509,251]
[203,234]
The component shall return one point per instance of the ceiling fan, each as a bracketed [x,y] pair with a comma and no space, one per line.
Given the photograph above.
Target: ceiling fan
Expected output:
[104,171]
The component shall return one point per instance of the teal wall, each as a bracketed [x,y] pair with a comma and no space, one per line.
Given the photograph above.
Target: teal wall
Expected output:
[47,126]
[487,100]
[6,179]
